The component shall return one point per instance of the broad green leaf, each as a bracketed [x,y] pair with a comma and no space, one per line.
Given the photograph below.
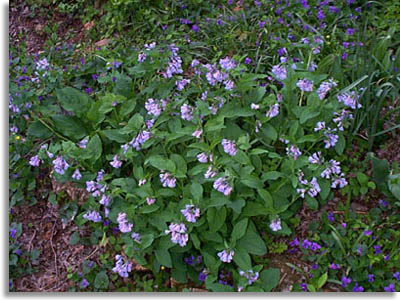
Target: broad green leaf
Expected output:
[163,257]
[101,281]
[69,126]
[270,279]
[242,259]
[239,229]
[38,130]
[115,135]
[253,243]
[74,100]
[216,218]
[196,190]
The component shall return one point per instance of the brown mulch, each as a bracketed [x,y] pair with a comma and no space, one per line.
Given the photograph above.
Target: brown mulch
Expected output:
[43,230]
[24,26]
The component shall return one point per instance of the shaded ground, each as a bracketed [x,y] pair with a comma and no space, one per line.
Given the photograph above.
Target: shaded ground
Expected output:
[43,230]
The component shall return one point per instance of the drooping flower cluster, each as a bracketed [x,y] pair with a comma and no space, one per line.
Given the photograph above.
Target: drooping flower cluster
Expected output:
[250,275]
[34,161]
[226,255]
[180,84]
[123,224]
[77,175]
[95,187]
[305,85]
[122,267]
[178,234]
[227,63]
[116,163]
[137,141]
[273,111]
[150,201]
[187,112]
[60,165]
[174,64]
[167,180]
[312,188]
[275,225]
[280,72]
[191,213]
[229,147]
[210,173]
[136,237]
[293,151]
[153,107]
[325,87]
[350,99]
[222,186]
[93,216]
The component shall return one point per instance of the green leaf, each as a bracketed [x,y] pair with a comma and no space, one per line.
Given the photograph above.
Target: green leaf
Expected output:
[163,257]
[325,188]
[273,175]
[146,241]
[322,280]
[101,281]
[69,126]
[239,229]
[74,100]
[340,145]
[74,238]
[196,190]
[242,259]
[93,149]
[311,202]
[308,113]
[252,182]
[216,218]
[269,202]
[270,279]
[180,163]
[269,131]
[380,168]
[38,130]
[161,163]
[115,135]
[253,243]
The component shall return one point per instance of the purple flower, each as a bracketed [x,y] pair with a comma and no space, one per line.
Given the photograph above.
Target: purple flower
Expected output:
[191,213]
[229,84]
[93,216]
[377,249]
[178,235]
[350,31]
[229,147]
[331,140]
[325,87]
[136,237]
[275,225]
[315,246]
[226,255]
[210,173]
[331,217]
[293,151]
[222,186]
[180,84]
[306,244]
[140,139]
[60,165]
[279,72]
[195,28]
[383,203]
[273,111]
[167,180]
[367,232]
[122,267]
[250,275]
[304,287]
[358,288]
[95,77]
[123,224]
[389,288]
[370,277]
[346,281]
[77,175]
[305,85]
[334,266]
[397,275]
[247,60]
[84,283]
[105,200]
[13,233]
[294,243]
[203,275]
[116,163]
[153,107]
[150,201]
[227,63]
[34,161]
[202,157]
[349,99]
[197,133]
[186,112]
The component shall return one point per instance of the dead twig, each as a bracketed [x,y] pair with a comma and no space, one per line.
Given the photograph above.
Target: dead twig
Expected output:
[30,242]
[52,248]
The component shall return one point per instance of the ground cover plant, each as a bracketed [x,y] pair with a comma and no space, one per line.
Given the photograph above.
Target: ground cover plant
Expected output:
[187,153]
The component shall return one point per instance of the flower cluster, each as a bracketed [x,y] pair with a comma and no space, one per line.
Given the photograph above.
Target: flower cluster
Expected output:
[312,188]
[250,275]
[93,216]
[122,267]
[178,234]
[123,224]
[229,147]
[191,213]
[60,165]
[222,186]
[167,180]
[226,255]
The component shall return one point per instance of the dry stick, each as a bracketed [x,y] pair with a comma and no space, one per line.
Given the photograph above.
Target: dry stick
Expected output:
[283,277]
[52,248]
[30,242]
[91,254]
